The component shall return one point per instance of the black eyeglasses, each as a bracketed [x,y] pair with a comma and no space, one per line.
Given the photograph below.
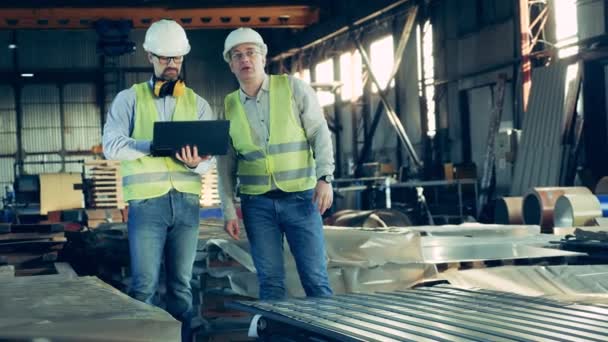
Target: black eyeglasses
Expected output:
[167,60]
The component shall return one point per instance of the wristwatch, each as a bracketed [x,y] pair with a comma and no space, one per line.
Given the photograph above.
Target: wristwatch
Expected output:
[326,178]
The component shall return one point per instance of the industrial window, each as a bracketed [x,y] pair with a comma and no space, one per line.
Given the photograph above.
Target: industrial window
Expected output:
[566,30]
[324,73]
[382,59]
[427,79]
[351,76]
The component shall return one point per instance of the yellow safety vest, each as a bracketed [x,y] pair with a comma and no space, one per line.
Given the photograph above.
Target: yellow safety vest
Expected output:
[288,159]
[150,177]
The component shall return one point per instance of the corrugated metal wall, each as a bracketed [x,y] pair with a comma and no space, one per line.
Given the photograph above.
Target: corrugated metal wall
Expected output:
[58,119]
[82,127]
[41,119]
[42,163]
[206,71]
[8,121]
[8,137]
[57,49]
[6,61]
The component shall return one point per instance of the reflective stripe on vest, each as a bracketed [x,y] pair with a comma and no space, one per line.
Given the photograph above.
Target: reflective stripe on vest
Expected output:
[288,158]
[149,177]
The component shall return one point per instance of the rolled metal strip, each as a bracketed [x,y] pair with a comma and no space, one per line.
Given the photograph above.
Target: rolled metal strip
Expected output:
[508,210]
[572,210]
[539,203]
[604,204]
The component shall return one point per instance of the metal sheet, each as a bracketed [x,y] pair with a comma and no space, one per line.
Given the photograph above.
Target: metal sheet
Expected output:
[582,283]
[359,260]
[475,230]
[461,249]
[539,153]
[576,210]
[440,313]
[78,309]
[371,247]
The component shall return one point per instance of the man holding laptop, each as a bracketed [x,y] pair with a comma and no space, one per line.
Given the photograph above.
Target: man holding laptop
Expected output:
[162,192]
[282,156]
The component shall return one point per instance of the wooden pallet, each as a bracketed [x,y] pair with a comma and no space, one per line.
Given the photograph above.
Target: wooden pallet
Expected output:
[210,196]
[30,249]
[104,184]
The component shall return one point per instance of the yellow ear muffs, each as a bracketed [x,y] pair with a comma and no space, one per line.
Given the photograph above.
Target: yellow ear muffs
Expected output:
[157,86]
[174,88]
[179,89]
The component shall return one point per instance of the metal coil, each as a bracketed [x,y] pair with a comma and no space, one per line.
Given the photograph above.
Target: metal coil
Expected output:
[539,203]
[602,186]
[508,210]
[572,210]
[603,204]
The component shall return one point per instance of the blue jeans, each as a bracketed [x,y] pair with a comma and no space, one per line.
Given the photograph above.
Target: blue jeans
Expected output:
[164,227]
[297,218]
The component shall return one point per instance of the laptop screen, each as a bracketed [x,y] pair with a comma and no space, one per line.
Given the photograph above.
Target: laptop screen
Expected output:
[211,137]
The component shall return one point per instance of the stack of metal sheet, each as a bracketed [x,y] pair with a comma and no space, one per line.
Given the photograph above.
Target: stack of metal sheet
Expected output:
[54,308]
[440,313]
[540,153]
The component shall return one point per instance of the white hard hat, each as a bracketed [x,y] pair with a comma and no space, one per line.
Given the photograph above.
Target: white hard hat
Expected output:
[166,38]
[241,36]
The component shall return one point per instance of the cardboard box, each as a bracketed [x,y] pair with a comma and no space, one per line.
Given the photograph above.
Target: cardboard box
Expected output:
[59,191]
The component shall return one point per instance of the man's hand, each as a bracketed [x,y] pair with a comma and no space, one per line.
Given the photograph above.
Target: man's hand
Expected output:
[323,196]
[190,157]
[232,228]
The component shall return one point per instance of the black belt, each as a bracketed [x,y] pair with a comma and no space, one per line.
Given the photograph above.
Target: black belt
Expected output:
[276,194]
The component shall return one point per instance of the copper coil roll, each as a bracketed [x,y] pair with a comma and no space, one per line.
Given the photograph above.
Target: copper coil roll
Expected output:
[539,203]
[508,210]
[572,210]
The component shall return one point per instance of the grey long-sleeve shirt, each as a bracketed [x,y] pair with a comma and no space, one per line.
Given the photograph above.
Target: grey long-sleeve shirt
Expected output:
[117,141]
[307,112]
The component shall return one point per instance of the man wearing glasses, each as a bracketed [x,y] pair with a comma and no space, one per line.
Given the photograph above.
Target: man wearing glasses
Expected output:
[282,156]
[162,192]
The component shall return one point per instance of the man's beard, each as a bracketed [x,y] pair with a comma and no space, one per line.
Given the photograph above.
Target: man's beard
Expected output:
[165,75]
